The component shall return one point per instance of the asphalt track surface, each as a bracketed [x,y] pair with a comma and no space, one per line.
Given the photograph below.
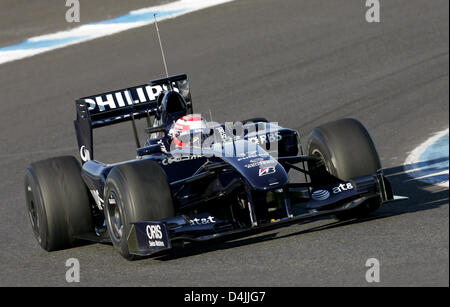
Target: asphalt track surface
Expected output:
[22,19]
[301,63]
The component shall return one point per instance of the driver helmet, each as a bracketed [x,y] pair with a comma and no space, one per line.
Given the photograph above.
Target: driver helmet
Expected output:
[185,126]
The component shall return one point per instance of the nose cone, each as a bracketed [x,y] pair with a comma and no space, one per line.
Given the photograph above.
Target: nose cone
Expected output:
[261,170]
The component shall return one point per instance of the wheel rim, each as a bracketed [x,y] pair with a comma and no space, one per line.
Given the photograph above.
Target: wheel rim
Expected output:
[319,155]
[114,215]
[33,214]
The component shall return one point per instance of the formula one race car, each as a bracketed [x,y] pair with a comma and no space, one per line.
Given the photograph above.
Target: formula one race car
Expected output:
[196,181]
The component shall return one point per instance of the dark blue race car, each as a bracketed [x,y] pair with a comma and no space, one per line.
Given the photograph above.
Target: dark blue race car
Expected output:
[196,181]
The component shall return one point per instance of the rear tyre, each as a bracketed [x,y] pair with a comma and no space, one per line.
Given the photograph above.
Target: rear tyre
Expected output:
[135,192]
[255,120]
[347,151]
[58,202]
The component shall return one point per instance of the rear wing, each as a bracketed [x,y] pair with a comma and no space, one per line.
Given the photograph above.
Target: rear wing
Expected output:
[121,105]
[118,106]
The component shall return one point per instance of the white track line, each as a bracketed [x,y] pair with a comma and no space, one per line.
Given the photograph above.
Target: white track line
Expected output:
[420,168]
[134,19]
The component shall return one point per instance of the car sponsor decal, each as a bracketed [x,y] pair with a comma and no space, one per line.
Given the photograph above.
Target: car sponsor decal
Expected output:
[261,163]
[266,171]
[320,195]
[122,98]
[251,155]
[202,221]
[324,194]
[178,158]
[151,236]
[264,138]
[342,187]
[84,154]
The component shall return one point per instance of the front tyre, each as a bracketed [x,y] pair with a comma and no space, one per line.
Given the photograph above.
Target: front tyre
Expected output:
[135,192]
[346,151]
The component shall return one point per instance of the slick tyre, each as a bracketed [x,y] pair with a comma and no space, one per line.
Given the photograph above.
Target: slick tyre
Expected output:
[58,202]
[135,192]
[255,120]
[347,151]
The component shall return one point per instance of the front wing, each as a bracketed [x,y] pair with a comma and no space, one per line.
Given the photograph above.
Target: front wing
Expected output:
[150,237]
